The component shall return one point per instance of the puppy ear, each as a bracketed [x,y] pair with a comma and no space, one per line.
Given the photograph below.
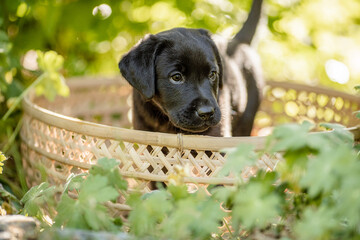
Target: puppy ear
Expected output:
[207,35]
[204,32]
[138,66]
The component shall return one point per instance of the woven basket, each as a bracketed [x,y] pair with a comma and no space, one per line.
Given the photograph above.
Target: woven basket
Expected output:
[70,134]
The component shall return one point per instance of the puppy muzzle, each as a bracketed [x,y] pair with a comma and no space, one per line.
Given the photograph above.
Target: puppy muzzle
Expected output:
[197,118]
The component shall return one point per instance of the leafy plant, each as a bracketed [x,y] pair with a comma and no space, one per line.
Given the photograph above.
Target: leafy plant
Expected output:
[87,211]
[50,83]
[173,213]
[81,203]
[39,200]
[309,192]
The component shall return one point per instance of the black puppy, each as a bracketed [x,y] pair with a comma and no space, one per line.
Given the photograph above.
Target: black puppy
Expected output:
[182,79]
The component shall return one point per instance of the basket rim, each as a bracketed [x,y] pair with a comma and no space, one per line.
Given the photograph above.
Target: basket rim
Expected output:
[180,141]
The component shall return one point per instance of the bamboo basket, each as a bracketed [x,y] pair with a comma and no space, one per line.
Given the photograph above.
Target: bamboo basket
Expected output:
[69,135]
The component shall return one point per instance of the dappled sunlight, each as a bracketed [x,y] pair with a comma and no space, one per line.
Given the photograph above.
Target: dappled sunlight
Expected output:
[297,40]
[337,71]
[158,16]
[315,42]
[30,60]
[103,11]
[224,5]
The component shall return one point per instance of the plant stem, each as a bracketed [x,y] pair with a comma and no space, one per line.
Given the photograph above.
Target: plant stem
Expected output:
[13,136]
[17,191]
[228,228]
[19,168]
[22,95]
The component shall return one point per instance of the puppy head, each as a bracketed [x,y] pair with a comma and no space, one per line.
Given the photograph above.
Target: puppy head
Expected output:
[180,71]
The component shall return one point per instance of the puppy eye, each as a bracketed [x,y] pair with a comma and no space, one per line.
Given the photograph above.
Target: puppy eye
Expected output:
[213,76]
[177,78]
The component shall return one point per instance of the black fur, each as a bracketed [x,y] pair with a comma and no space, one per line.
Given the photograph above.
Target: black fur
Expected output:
[182,79]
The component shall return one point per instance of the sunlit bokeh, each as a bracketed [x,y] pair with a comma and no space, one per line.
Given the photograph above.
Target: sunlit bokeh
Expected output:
[337,71]
[315,42]
[29,60]
[103,11]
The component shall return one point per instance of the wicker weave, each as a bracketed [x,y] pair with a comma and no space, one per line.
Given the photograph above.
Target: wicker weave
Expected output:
[70,134]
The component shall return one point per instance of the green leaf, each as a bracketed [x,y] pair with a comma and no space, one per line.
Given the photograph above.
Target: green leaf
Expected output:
[326,171]
[87,212]
[225,195]
[316,224]
[34,192]
[99,219]
[109,168]
[195,217]
[348,193]
[339,133]
[255,206]
[292,169]
[73,182]
[67,209]
[357,114]
[290,137]
[182,217]
[49,61]
[136,198]
[178,192]
[35,199]
[147,213]
[238,158]
[106,164]
[95,188]
[209,220]
[52,82]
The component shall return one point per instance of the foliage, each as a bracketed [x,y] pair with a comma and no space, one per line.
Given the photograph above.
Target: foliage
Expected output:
[49,83]
[81,202]
[86,212]
[50,63]
[173,213]
[36,199]
[306,197]
[319,173]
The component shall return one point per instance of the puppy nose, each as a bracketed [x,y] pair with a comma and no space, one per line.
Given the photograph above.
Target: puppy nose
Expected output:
[205,112]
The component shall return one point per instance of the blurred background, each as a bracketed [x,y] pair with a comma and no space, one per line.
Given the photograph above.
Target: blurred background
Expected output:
[313,42]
